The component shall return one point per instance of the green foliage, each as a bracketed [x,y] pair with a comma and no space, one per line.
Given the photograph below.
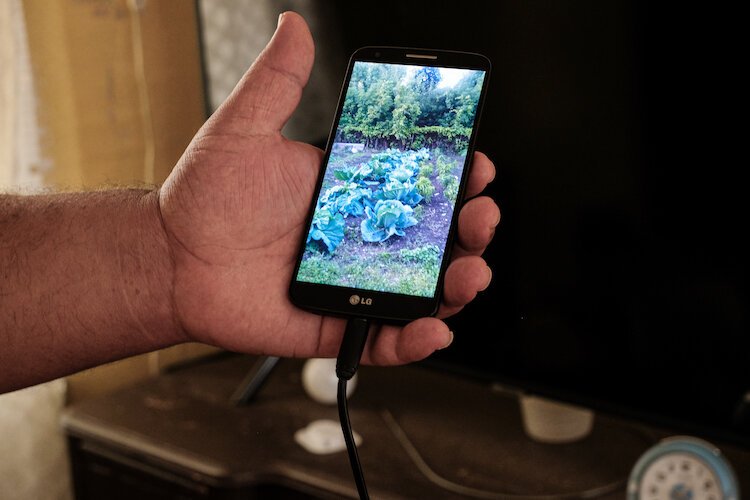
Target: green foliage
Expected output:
[427,255]
[450,187]
[386,105]
[386,193]
[425,188]
[401,174]
[316,268]
[419,212]
[405,113]
[460,146]
[355,174]
[385,257]
[445,166]
[388,218]
[427,79]
[327,228]
[347,199]
[392,174]
[426,170]
[405,192]
[391,273]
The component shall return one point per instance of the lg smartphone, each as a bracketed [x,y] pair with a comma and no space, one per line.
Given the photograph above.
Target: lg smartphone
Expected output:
[384,212]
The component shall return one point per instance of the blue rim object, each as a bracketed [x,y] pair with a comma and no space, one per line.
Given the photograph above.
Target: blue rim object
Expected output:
[699,448]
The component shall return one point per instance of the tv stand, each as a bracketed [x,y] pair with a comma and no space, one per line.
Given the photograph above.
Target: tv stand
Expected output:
[179,436]
[255,380]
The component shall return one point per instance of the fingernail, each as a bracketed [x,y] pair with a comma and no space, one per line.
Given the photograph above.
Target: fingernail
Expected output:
[489,279]
[279,21]
[450,340]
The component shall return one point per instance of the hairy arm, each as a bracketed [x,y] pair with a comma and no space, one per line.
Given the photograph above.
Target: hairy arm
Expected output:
[85,278]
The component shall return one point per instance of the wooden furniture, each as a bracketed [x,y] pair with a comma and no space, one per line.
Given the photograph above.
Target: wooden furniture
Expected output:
[179,437]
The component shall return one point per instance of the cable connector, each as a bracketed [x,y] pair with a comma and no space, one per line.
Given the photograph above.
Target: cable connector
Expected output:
[352,345]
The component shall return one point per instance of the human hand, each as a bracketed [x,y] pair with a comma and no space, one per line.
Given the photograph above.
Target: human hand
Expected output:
[234,211]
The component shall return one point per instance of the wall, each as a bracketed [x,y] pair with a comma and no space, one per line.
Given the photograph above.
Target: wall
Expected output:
[93,94]
[21,160]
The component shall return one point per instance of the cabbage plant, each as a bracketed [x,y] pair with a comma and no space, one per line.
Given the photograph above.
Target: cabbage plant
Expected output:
[356,174]
[389,217]
[328,227]
[405,192]
[348,199]
[401,174]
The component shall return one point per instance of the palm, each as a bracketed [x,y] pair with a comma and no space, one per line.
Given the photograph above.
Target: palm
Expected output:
[236,237]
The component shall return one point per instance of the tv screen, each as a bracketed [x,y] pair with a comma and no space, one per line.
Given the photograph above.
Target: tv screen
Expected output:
[621,262]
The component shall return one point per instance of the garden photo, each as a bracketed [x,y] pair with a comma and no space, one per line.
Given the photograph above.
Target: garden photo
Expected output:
[387,199]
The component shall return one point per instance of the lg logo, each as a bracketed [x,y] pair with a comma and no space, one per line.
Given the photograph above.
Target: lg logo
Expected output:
[357,300]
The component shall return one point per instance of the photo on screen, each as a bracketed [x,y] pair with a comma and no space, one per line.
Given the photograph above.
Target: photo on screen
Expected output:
[385,206]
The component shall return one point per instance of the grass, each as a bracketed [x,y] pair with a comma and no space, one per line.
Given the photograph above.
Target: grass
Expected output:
[410,271]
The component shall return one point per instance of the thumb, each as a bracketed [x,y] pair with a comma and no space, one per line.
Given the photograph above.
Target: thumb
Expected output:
[270,90]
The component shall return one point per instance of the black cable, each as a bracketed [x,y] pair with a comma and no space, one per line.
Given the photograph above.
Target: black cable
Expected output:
[351,446]
[347,363]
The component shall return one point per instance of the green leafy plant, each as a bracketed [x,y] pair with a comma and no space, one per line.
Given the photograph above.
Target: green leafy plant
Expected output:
[401,174]
[355,174]
[425,188]
[445,166]
[388,218]
[419,212]
[426,170]
[428,255]
[348,199]
[450,187]
[405,192]
[327,227]
[379,168]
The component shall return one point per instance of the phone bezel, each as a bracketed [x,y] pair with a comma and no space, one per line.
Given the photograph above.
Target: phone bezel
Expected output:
[387,306]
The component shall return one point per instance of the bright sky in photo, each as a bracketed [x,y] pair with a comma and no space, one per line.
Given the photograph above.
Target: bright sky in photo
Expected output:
[449,77]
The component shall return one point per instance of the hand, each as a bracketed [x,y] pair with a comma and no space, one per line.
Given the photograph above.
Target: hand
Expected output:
[234,210]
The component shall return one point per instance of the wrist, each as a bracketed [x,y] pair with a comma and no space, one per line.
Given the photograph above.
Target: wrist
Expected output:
[148,275]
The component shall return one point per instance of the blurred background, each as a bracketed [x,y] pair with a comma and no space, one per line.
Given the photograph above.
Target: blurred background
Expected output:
[620,265]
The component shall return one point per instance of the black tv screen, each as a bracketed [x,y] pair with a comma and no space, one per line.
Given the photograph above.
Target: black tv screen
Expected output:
[621,262]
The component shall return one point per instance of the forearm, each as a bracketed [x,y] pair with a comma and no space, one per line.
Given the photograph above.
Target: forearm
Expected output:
[85,278]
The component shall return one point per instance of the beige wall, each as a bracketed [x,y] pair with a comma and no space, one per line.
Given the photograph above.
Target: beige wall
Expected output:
[113,83]
[20,155]
[118,95]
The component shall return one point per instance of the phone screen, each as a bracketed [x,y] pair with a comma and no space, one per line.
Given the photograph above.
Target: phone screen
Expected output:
[392,177]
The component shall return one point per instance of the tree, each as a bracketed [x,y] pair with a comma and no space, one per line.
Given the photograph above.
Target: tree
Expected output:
[426,79]
[384,107]
[405,113]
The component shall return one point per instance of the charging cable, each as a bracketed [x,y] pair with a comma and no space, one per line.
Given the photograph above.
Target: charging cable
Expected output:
[347,363]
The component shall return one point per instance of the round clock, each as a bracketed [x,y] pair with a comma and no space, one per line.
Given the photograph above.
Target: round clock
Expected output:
[683,468]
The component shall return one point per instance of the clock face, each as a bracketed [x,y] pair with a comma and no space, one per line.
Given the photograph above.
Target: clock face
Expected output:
[683,468]
[680,476]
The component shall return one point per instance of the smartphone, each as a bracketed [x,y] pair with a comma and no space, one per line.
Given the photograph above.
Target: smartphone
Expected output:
[383,217]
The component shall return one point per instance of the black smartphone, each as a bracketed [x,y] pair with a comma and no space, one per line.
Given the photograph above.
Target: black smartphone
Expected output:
[384,213]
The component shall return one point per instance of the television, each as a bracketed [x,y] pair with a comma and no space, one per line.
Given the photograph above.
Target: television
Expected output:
[620,265]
